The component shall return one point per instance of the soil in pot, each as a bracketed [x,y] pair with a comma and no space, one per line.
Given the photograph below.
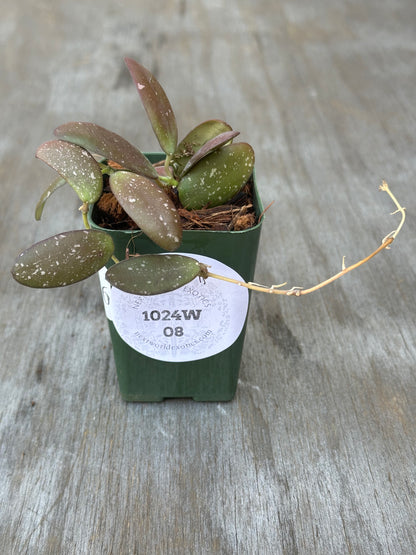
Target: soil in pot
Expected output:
[239,214]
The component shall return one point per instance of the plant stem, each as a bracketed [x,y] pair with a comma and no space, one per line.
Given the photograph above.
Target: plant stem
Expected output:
[300,291]
[166,180]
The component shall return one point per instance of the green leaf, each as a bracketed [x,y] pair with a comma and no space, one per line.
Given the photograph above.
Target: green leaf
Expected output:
[63,259]
[76,165]
[110,145]
[59,182]
[208,147]
[195,139]
[156,104]
[149,206]
[152,274]
[217,177]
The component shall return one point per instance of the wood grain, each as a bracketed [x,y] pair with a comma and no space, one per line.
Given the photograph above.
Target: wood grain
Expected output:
[317,452]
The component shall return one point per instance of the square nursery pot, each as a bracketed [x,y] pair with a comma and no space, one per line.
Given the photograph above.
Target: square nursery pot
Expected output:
[186,343]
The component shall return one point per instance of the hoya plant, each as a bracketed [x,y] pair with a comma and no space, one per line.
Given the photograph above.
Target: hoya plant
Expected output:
[205,169]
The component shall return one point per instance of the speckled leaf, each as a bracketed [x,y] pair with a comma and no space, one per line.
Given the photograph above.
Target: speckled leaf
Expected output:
[110,145]
[59,182]
[217,177]
[76,165]
[152,274]
[215,143]
[156,104]
[195,139]
[63,259]
[149,206]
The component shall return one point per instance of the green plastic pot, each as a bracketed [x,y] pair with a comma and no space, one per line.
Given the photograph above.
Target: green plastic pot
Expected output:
[213,378]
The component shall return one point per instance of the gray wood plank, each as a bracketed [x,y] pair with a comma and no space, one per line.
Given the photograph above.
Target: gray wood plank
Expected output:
[317,452]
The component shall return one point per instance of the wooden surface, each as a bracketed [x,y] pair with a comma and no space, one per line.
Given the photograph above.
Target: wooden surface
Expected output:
[317,452]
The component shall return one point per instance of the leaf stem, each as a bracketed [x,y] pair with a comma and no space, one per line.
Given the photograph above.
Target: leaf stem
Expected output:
[84,210]
[167,165]
[85,220]
[300,291]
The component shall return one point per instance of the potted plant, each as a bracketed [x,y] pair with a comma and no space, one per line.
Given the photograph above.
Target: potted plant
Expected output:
[177,319]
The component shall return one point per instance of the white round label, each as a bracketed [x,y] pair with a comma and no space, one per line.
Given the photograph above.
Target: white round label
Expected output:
[193,322]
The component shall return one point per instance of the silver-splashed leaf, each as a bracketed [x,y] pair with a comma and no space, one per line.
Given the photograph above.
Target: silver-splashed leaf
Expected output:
[152,274]
[76,165]
[195,139]
[156,104]
[63,259]
[149,206]
[217,177]
[110,145]
[213,144]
